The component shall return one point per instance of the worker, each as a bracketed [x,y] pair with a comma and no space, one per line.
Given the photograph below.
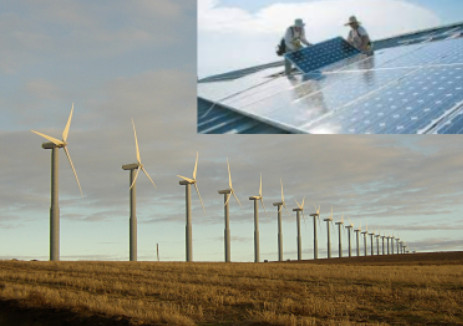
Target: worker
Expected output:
[358,36]
[294,38]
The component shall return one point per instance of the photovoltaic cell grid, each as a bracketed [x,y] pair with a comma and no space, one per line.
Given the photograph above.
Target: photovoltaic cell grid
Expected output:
[405,89]
[322,54]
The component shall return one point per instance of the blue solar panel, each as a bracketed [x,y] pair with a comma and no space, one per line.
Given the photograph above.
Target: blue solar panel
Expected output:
[322,54]
[408,89]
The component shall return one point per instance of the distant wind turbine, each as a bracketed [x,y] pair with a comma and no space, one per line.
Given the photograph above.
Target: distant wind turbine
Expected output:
[298,210]
[187,182]
[357,234]
[279,205]
[349,233]
[365,239]
[55,144]
[377,244]
[134,169]
[388,238]
[227,193]
[340,224]
[315,216]
[256,200]
[328,221]
[382,246]
[372,247]
[392,244]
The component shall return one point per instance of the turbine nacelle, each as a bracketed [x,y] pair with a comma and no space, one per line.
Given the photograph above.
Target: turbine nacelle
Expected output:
[192,181]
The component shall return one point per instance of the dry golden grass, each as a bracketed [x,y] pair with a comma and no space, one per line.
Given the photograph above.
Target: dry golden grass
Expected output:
[241,293]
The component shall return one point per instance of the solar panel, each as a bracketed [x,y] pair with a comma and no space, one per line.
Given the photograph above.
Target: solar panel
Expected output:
[322,54]
[400,90]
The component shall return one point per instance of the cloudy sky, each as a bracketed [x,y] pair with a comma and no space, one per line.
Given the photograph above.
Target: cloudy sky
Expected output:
[235,34]
[117,61]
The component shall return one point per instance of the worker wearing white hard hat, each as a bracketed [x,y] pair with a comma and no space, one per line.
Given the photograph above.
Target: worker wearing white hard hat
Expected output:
[358,36]
[294,38]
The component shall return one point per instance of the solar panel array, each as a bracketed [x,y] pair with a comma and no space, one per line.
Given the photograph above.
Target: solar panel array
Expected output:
[322,54]
[405,89]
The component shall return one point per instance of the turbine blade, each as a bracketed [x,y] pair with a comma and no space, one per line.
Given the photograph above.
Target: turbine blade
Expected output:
[196,166]
[135,179]
[228,199]
[262,202]
[68,125]
[49,138]
[146,173]
[236,197]
[303,201]
[200,199]
[136,143]
[260,187]
[229,176]
[297,203]
[282,193]
[185,178]
[73,169]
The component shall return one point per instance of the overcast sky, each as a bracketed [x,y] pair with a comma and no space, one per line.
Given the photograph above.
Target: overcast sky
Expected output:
[235,34]
[116,61]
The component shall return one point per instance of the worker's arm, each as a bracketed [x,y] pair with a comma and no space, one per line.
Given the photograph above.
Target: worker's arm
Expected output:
[304,40]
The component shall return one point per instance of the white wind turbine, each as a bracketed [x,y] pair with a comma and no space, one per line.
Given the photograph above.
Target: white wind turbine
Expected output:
[187,182]
[315,216]
[227,194]
[279,205]
[340,224]
[256,220]
[328,221]
[377,243]
[55,144]
[298,210]
[349,228]
[357,235]
[372,247]
[134,169]
[365,239]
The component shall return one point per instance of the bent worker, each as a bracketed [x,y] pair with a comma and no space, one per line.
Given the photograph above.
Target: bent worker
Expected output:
[294,38]
[358,36]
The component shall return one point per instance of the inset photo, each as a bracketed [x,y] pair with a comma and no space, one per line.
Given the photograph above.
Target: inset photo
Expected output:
[330,67]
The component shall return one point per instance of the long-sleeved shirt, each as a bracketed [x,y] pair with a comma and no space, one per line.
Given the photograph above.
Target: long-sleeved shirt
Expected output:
[293,39]
[359,38]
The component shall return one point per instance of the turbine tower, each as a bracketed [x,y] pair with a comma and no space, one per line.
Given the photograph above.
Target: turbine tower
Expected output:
[55,144]
[357,231]
[279,205]
[377,244]
[134,169]
[365,240]
[256,220]
[397,240]
[372,247]
[388,238]
[315,216]
[382,238]
[298,210]
[226,198]
[349,233]
[392,245]
[340,224]
[187,182]
[328,221]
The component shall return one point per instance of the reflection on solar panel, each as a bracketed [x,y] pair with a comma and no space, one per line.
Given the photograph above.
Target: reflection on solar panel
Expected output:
[402,89]
[322,54]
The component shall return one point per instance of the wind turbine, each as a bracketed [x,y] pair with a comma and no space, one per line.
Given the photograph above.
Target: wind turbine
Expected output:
[372,247]
[392,244]
[349,232]
[315,216]
[187,182]
[55,144]
[365,239]
[328,221]
[298,210]
[279,205]
[357,231]
[226,198]
[134,169]
[256,220]
[377,244]
[340,224]
[382,246]
[397,239]
[388,238]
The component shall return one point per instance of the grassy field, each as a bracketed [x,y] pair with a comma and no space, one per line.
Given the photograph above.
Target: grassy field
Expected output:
[408,291]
